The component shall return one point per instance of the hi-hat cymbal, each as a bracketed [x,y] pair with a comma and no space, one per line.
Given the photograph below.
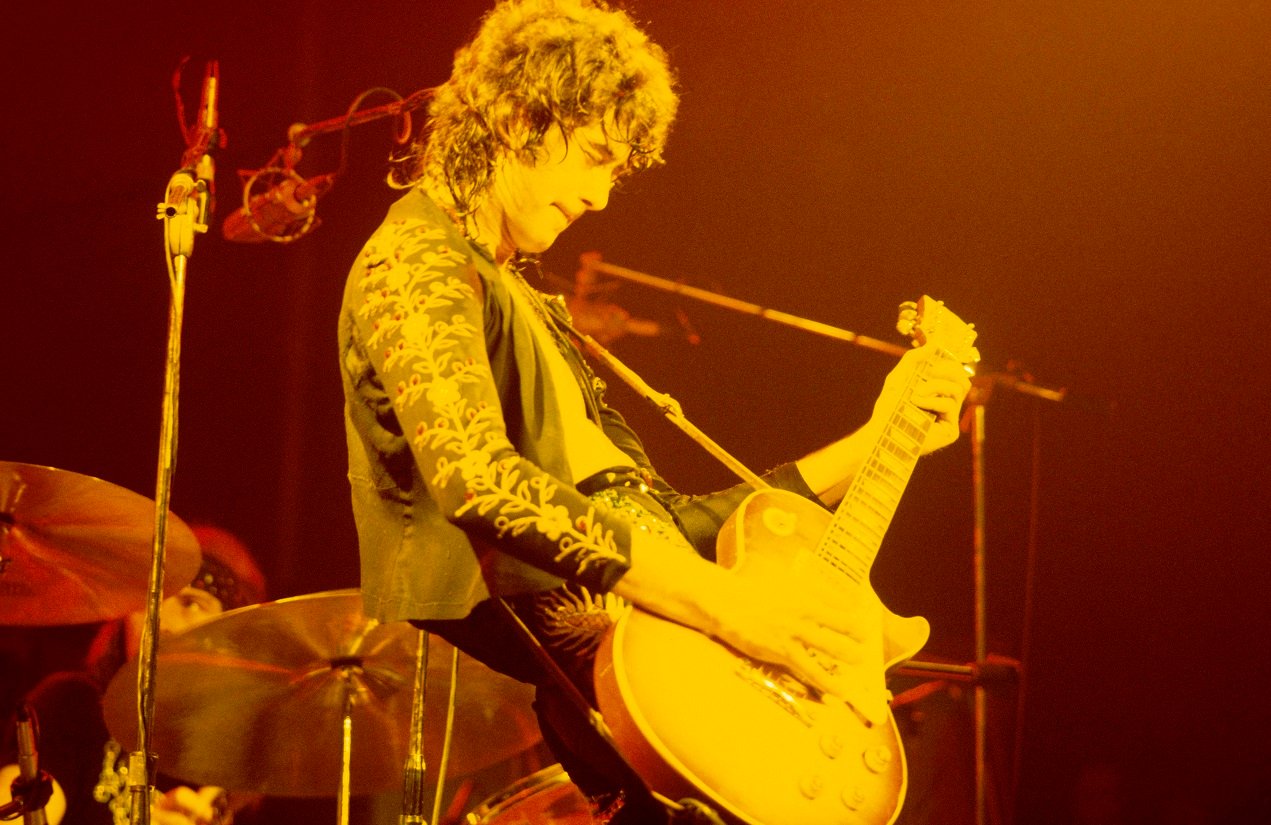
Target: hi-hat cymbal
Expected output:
[253,700]
[76,549]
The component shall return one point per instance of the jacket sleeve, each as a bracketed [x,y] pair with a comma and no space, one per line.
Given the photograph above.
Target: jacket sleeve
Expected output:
[700,517]
[419,311]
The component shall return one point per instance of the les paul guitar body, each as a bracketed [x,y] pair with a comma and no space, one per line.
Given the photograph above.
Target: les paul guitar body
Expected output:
[695,718]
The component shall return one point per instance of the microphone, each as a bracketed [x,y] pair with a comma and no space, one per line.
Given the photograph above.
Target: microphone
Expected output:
[29,766]
[206,134]
[606,322]
[598,317]
[281,214]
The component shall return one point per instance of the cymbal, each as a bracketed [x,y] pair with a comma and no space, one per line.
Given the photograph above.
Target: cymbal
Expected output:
[76,549]
[253,700]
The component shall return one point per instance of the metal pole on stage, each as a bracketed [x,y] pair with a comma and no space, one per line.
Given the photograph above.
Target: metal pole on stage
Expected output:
[185,211]
[979,563]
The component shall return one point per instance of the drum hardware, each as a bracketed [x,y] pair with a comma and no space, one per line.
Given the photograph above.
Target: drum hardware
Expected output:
[416,764]
[545,797]
[448,737]
[252,699]
[32,788]
[75,549]
[413,774]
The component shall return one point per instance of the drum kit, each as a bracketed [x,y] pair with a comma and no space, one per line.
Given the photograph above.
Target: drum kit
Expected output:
[259,699]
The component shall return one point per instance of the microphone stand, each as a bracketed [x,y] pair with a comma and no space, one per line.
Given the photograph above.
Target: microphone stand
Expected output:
[986,667]
[591,261]
[184,211]
[283,164]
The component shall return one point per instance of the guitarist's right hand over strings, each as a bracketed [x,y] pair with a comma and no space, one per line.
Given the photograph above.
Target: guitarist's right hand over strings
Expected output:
[771,619]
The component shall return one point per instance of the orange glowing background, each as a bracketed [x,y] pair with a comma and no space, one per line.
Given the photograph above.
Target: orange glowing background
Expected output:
[1089,182]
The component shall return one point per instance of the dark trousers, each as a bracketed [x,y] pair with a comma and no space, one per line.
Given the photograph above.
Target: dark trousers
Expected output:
[492,637]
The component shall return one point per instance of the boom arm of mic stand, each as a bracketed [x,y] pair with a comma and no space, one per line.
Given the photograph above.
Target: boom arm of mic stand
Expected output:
[301,133]
[592,261]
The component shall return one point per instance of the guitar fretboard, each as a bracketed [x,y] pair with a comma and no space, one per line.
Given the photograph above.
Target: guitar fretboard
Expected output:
[856,531]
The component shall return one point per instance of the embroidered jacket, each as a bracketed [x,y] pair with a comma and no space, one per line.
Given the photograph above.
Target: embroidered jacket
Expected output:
[459,481]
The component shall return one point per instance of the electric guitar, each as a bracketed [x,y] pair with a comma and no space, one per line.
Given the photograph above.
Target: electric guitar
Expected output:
[695,718]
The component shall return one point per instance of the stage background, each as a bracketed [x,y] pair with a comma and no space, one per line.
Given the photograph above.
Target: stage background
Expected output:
[1086,181]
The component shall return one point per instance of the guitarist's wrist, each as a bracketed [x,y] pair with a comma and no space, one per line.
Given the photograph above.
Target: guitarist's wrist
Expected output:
[829,471]
[673,583]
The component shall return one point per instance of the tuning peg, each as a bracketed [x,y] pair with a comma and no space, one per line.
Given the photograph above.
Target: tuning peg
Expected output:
[908,318]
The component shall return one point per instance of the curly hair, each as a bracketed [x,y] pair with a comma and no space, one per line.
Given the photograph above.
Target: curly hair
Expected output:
[535,65]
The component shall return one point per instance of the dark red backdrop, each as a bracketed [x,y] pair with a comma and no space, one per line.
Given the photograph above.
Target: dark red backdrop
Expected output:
[1087,181]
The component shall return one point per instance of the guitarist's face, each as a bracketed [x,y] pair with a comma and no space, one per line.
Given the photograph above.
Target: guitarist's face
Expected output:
[532,201]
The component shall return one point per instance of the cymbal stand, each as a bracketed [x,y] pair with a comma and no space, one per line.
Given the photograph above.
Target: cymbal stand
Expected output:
[449,733]
[973,422]
[185,211]
[349,669]
[346,750]
[413,780]
[413,777]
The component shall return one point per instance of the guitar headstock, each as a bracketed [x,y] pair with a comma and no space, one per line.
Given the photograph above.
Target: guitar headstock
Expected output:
[930,321]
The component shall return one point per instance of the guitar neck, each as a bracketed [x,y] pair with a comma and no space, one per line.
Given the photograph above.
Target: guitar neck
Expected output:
[851,543]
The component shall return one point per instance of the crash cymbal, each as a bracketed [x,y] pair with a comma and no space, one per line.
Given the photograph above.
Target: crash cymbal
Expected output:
[253,700]
[76,549]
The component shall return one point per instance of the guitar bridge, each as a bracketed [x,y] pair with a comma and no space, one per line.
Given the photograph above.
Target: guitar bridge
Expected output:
[779,687]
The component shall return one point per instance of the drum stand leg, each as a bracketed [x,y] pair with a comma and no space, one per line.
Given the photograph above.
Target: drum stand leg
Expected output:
[981,614]
[413,780]
[346,750]
[412,812]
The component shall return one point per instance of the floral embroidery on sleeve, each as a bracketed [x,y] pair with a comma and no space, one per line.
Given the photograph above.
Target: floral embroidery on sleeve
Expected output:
[420,314]
[527,503]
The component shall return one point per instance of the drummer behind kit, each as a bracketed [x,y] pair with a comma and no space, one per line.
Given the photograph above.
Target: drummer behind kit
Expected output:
[75,550]
[244,700]
[545,797]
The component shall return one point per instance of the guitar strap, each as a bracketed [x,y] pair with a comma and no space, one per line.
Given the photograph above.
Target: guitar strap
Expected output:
[683,812]
[558,675]
[555,310]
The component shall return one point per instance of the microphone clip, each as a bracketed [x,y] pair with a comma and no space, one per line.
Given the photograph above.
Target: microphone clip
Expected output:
[28,795]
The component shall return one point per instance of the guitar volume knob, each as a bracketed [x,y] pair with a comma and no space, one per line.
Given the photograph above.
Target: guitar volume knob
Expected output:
[811,786]
[853,798]
[832,745]
[878,759]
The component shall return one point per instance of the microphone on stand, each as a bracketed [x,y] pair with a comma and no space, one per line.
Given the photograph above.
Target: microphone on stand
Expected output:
[609,320]
[283,213]
[35,786]
[600,318]
[606,322]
